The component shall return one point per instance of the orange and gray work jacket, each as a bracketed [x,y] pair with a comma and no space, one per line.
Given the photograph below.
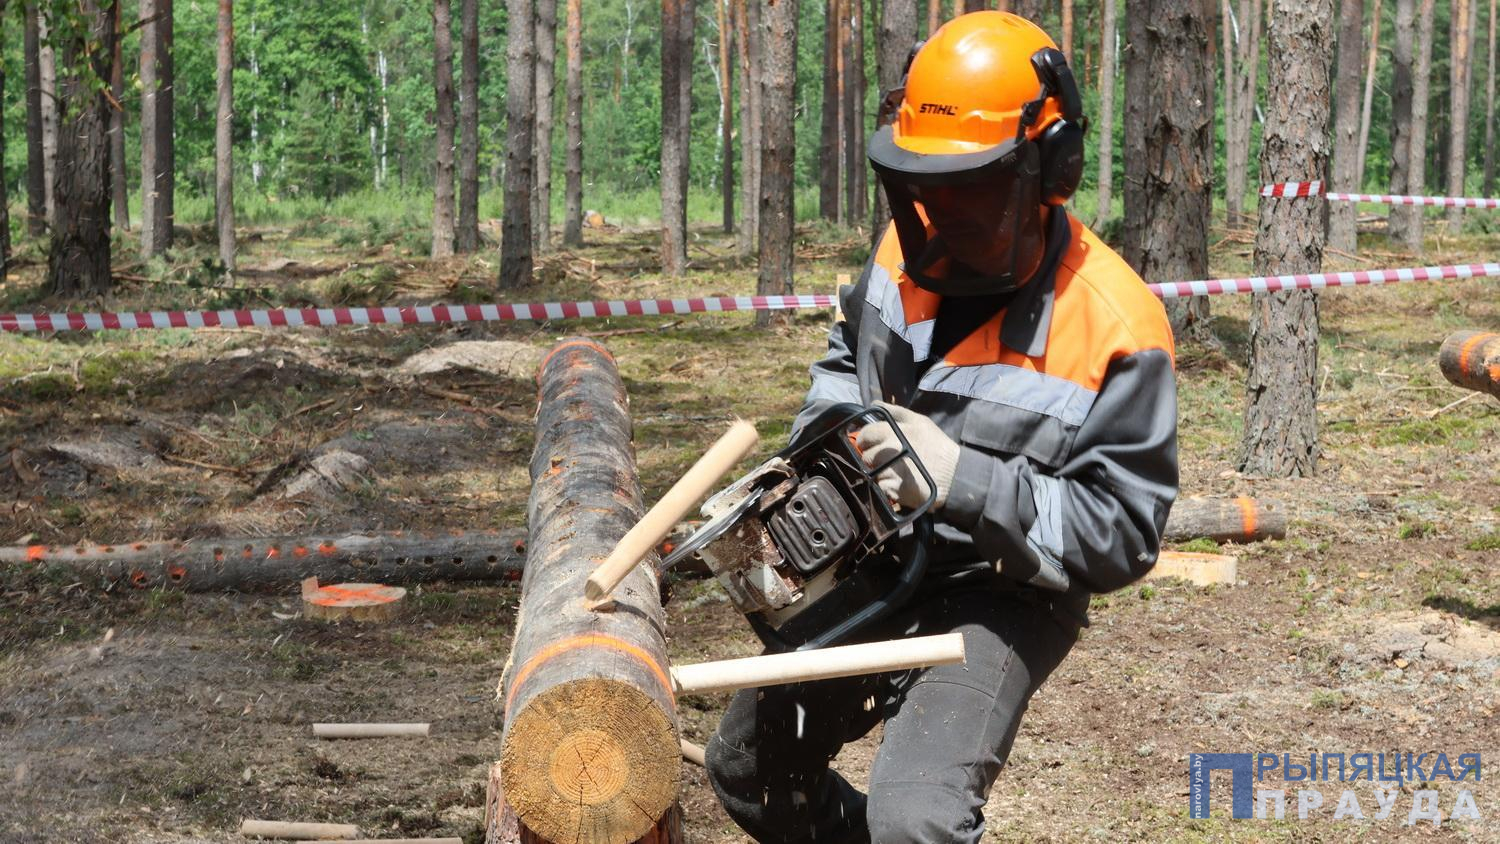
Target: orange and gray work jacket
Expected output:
[1063,403]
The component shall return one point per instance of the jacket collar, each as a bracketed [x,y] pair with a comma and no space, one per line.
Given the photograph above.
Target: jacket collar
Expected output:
[1028,317]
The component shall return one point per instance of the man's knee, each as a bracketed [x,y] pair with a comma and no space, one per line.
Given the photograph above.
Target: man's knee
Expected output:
[921,812]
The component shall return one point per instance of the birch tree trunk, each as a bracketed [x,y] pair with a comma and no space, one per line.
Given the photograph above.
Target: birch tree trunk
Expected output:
[1460,76]
[1281,427]
[1364,116]
[48,63]
[158,157]
[1403,50]
[224,138]
[1106,117]
[1179,153]
[520,113]
[546,84]
[573,226]
[1345,173]
[828,141]
[36,166]
[78,261]
[442,80]
[777,214]
[119,184]
[466,238]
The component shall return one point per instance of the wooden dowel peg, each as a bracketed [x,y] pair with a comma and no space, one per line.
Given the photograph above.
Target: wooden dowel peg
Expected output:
[356,731]
[660,519]
[825,663]
[299,831]
[693,753]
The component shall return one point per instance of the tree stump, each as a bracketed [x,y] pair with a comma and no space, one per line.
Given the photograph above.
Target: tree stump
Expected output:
[590,748]
[1471,359]
[350,601]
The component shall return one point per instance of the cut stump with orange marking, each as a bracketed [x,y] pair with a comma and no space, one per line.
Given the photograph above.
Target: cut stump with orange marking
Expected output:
[350,601]
[590,750]
[1199,569]
[1226,520]
[1471,359]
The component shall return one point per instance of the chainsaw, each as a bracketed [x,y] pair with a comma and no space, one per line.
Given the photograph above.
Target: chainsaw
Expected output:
[807,545]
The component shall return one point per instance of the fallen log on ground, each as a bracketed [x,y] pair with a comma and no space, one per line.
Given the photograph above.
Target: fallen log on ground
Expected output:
[1225,520]
[1471,359]
[590,750]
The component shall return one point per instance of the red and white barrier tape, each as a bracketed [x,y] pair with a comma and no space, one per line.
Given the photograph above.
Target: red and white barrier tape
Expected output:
[1318,281]
[430,314]
[279,317]
[1293,189]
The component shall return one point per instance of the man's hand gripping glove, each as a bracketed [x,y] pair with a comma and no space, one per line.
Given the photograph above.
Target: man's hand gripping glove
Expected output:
[937,451]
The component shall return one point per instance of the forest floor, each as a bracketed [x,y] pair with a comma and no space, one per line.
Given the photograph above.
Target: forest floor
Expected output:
[158,716]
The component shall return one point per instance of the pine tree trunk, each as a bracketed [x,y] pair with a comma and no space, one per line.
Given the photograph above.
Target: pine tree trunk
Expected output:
[1028,9]
[48,64]
[1403,50]
[828,142]
[856,188]
[1460,76]
[1369,102]
[224,138]
[1067,28]
[466,238]
[726,116]
[934,16]
[1281,427]
[1179,152]
[841,113]
[573,227]
[1344,176]
[847,119]
[546,85]
[747,28]
[36,168]
[777,212]
[442,81]
[78,263]
[1489,108]
[673,144]
[685,105]
[1106,117]
[1237,141]
[1421,101]
[520,113]
[158,156]
[119,184]
[1137,89]
[4,183]
[896,35]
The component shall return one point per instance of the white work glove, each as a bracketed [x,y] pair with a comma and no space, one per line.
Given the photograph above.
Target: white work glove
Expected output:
[901,482]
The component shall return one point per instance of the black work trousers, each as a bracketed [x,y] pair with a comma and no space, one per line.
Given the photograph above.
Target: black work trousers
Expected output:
[948,729]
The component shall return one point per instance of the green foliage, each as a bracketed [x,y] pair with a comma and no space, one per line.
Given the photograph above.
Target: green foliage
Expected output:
[1201,545]
[1488,542]
[1416,530]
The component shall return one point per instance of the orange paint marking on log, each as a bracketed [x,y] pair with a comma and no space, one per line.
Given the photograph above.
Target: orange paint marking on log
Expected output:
[1247,515]
[1467,349]
[36,553]
[335,594]
[590,640]
[327,549]
[247,553]
[1495,372]
[299,551]
[273,552]
[568,345]
[218,555]
[138,578]
[177,573]
[139,546]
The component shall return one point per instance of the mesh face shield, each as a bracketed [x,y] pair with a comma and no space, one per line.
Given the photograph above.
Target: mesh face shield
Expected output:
[1002,189]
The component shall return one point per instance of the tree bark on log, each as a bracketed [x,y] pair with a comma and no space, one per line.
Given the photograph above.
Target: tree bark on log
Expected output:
[1241,520]
[1281,423]
[520,102]
[466,237]
[573,187]
[590,750]
[1471,359]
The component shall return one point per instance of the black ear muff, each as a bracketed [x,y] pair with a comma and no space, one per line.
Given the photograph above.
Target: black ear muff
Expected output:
[1061,142]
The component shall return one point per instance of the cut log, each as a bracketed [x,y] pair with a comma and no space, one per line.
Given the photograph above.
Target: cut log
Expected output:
[392,841]
[1232,520]
[502,827]
[299,831]
[350,601]
[353,731]
[1199,569]
[1471,359]
[590,748]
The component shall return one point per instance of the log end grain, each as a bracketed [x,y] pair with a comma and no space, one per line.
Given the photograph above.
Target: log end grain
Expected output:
[1471,359]
[594,755]
[351,601]
[1196,568]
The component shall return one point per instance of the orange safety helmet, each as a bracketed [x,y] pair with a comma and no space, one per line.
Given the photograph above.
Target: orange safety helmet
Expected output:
[988,99]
